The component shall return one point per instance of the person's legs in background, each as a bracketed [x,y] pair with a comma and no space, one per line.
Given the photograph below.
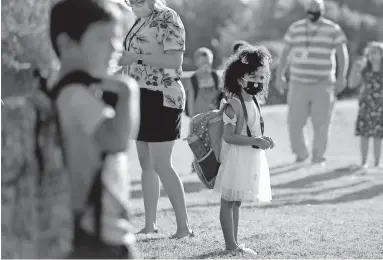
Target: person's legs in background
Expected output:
[299,111]
[323,99]
[364,145]
[377,150]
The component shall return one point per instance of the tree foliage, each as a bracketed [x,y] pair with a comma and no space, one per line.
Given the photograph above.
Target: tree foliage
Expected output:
[215,24]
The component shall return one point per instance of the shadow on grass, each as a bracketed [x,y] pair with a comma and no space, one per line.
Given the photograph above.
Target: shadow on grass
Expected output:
[317,192]
[151,239]
[190,187]
[365,194]
[281,166]
[207,205]
[309,180]
[289,167]
[211,255]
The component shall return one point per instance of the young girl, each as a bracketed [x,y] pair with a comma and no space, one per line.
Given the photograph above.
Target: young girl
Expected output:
[244,172]
[369,73]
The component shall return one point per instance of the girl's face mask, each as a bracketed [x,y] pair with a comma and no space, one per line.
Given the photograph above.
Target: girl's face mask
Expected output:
[256,80]
[253,89]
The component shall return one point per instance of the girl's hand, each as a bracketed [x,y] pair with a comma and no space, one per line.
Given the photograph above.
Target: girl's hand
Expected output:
[270,141]
[128,58]
[261,142]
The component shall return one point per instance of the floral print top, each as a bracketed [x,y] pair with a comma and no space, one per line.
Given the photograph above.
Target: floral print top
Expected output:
[162,31]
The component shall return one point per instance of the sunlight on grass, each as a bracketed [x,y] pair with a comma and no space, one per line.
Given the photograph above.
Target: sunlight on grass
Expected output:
[317,212]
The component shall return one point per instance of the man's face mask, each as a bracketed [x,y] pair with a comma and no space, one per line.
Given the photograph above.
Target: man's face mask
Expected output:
[314,15]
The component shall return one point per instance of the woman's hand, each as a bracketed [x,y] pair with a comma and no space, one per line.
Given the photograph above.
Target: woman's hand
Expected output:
[128,58]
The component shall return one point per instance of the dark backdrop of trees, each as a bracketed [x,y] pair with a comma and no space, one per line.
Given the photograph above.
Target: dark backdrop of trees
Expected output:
[215,24]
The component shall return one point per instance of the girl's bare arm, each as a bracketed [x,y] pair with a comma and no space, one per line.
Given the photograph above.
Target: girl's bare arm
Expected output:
[231,137]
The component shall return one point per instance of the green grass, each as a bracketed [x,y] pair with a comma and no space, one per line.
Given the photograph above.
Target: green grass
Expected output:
[331,212]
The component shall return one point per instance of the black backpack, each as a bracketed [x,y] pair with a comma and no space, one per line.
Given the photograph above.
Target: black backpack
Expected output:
[95,194]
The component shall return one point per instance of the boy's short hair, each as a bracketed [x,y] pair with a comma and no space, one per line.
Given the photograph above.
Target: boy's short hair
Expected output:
[205,52]
[75,16]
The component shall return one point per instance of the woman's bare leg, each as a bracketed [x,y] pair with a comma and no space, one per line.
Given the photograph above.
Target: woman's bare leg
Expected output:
[150,187]
[161,155]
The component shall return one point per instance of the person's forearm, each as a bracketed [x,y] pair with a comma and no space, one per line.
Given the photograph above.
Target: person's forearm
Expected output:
[126,120]
[283,63]
[237,139]
[163,60]
[191,104]
[343,60]
[355,78]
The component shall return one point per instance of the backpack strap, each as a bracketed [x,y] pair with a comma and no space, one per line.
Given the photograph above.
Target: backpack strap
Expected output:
[38,125]
[260,115]
[71,78]
[95,193]
[246,116]
[194,82]
[77,76]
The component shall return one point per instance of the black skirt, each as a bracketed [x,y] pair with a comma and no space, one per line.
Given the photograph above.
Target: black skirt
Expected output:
[158,123]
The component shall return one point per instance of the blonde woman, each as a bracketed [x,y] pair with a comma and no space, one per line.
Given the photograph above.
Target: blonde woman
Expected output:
[153,56]
[368,72]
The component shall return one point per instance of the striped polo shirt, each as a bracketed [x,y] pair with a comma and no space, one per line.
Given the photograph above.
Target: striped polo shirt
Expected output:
[312,58]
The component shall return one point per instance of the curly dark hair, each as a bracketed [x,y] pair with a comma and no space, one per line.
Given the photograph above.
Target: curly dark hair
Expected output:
[235,69]
[239,44]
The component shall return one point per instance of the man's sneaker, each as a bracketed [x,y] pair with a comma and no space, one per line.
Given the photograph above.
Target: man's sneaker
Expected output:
[301,159]
[319,162]
[378,165]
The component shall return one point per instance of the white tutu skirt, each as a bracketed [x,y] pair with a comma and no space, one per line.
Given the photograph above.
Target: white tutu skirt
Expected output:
[243,174]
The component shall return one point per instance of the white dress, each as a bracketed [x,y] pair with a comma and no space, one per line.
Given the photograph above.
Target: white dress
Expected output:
[244,171]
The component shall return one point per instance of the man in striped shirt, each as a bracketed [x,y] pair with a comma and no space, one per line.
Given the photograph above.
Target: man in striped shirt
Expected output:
[311,45]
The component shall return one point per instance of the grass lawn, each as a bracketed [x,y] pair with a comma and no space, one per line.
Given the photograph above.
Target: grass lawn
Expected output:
[330,212]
